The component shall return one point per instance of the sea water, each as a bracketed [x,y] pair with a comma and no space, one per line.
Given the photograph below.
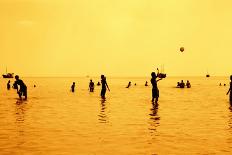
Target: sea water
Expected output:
[54,120]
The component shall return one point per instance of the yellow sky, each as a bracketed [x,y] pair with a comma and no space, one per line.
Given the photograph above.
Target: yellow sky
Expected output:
[115,37]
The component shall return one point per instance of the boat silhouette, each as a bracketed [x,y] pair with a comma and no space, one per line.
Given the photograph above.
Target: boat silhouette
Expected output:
[8,75]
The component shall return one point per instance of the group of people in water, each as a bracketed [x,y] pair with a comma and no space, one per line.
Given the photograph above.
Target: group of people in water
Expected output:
[92,85]
[182,84]
[21,87]
[129,84]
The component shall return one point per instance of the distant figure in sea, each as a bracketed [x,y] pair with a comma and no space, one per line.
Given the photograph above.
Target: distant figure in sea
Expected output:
[22,91]
[178,85]
[188,84]
[182,84]
[129,84]
[8,85]
[104,86]
[229,91]
[155,90]
[73,87]
[91,86]
[135,84]
[224,84]
[98,83]
[34,85]
[220,84]
[146,83]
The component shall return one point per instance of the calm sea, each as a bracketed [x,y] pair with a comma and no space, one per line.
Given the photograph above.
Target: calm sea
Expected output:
[56,121]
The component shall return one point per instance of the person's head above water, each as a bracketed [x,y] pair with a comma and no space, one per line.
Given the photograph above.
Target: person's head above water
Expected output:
[16,77]
[153,75]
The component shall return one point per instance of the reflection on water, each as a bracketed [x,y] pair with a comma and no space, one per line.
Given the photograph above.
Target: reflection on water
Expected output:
[20,110]
[229,140]
[103,118]
[154,118]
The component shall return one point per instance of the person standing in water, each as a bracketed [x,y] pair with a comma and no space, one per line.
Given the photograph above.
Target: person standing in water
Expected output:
[104,86]
[229,91]
[8,85]
[129,84]
[91,86]
[188,84]
[155,90]
[23,88]
[73,87]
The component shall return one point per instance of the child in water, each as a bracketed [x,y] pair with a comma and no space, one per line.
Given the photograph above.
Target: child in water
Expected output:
[23,88]
[104,86]
[229,91]
[155,90]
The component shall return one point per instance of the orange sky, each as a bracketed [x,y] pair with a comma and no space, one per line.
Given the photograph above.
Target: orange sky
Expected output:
[115,37]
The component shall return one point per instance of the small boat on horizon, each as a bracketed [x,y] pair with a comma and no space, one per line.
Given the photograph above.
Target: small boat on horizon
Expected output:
[8,75]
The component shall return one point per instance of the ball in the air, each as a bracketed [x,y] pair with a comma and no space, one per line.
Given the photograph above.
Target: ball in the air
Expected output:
[182,49]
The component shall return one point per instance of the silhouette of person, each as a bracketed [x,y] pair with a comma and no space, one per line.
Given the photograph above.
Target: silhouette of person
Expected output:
[98,83]
[129,84]
[146,83]
[135,84]
[229,91]
[104,86]
[155,90]
[91,86]
[73,87]
[23,88]
[178,85]
[224,84]
[220,84]
[8,85]
[182,84]
[188,84]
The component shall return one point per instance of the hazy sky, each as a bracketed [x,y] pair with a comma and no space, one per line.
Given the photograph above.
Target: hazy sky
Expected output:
[115,37]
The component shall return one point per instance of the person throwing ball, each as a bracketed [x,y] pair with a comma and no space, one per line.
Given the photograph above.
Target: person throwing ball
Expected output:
[22,91]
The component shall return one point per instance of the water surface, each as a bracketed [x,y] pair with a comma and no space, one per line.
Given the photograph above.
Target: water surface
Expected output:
[56,121]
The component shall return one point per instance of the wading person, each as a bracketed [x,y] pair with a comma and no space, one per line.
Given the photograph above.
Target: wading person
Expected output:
[73,87]
[22,91]
[155,90]
[229,91]
[104,86]
[91,86]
